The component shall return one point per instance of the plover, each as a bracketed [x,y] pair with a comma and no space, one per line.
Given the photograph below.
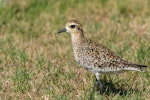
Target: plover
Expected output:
[94,56]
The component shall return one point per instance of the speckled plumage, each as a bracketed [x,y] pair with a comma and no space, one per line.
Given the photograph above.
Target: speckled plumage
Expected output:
[94,56]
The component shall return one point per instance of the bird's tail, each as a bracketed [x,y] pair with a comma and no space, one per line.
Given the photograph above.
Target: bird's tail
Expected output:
[136,67]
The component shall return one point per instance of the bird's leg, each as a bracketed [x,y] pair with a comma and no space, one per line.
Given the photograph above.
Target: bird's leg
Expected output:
[96,84]
[101,87]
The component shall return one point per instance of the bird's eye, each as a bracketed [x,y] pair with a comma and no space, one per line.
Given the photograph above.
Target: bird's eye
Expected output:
[72,26]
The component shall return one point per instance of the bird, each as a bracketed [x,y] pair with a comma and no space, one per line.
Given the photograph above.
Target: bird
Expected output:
[94,56]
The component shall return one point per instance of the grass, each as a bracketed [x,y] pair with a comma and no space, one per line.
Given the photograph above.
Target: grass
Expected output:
[37,63]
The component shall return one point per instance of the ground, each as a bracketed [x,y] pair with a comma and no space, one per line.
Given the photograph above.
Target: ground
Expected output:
[38,63]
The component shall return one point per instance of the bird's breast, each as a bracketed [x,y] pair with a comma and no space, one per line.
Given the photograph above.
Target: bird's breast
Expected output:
[82,58]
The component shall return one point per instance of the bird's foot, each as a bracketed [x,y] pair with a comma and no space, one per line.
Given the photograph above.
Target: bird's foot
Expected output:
[102,89]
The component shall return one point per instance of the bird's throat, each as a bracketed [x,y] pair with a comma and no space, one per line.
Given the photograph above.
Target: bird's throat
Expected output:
[77,39]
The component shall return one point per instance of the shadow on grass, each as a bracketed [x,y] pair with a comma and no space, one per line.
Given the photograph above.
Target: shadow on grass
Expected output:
[110,89]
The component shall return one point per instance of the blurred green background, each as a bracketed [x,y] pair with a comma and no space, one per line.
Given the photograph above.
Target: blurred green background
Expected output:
[37,63]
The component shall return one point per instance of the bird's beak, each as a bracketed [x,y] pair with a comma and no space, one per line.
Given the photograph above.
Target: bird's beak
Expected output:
[63,30]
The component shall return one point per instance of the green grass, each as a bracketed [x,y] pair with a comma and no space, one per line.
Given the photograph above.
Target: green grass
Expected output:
[37,63]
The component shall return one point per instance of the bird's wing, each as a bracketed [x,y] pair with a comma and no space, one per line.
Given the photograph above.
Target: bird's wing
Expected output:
[100,56]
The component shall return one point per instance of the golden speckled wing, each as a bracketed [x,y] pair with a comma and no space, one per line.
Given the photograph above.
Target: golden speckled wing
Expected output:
[95,56]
